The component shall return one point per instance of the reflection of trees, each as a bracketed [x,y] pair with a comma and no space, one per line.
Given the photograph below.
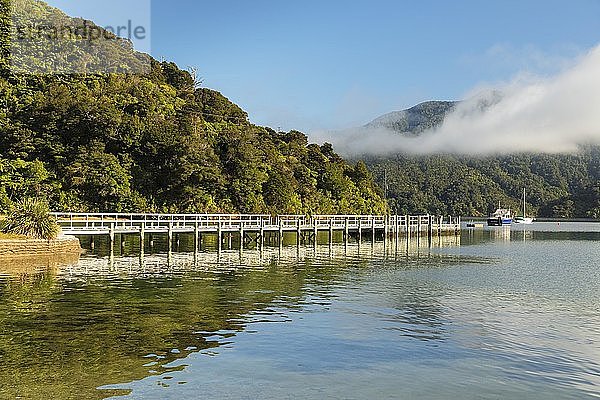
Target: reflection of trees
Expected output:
[92,325]
[581,236]
[63,338]
[538,232]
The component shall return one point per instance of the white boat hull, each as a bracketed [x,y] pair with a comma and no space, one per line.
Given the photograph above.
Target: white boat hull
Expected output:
[525,221]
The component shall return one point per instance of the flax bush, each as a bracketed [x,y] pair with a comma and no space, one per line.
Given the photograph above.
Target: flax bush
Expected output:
[31,217]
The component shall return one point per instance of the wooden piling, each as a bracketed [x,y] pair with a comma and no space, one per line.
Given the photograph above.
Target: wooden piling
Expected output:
[346,230]
[359,230]
[220,237]
[170,235]
[373,227]
[242,236]
[385,227]
[196,237]
[262,237]
[429,227]
[385,233]
[111,235]
[280,232]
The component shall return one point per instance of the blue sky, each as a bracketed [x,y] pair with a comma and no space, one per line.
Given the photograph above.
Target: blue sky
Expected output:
[331,64]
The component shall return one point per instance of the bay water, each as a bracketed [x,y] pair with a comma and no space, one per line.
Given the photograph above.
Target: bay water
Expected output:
[492,314]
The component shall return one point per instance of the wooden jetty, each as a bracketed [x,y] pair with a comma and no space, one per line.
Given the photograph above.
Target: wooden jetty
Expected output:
[256,227]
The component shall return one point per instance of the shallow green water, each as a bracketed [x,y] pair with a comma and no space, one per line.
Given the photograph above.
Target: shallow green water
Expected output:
[507,315]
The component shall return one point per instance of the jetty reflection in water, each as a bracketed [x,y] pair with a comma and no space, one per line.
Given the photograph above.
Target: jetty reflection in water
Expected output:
[105,321]
[246,258]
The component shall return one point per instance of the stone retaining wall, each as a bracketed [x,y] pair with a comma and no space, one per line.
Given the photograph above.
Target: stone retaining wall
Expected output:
[65,245]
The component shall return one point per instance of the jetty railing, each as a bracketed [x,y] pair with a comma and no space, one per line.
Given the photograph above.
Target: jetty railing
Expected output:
[256,228]
[96,223]
[103,223]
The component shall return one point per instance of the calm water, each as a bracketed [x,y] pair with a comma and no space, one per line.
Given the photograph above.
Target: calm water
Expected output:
[492,315]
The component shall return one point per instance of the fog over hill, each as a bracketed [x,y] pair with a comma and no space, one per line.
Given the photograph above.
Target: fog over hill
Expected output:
[554,114]
[558,185]
[541,134]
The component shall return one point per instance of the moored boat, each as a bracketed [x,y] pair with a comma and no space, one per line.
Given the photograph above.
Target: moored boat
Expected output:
[524,219]
[501,217]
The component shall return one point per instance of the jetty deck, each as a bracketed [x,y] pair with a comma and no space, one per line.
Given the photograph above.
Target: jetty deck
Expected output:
[254,227]
[104,224]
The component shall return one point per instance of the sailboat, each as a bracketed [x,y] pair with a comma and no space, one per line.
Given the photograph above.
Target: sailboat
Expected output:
[524,219]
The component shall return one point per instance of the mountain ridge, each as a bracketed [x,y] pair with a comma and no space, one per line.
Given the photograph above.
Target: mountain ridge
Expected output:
[415,120]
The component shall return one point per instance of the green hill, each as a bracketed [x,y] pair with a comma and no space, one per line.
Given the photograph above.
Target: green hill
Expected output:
[558,185]
[119,141]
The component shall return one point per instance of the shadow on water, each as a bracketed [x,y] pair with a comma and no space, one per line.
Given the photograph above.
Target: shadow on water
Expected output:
[536,232]
[66,332]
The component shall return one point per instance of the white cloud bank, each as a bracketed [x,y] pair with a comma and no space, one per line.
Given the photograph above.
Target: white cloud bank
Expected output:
[550,115]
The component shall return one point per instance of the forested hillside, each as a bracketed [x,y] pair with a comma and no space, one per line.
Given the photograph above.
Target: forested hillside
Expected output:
[158,142]
[558,185]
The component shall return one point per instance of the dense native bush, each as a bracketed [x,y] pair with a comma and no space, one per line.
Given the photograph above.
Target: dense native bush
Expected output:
[158,143]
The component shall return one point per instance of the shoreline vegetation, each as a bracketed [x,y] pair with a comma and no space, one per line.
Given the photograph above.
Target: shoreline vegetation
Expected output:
[30,233]
[31,218]
[120,142]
